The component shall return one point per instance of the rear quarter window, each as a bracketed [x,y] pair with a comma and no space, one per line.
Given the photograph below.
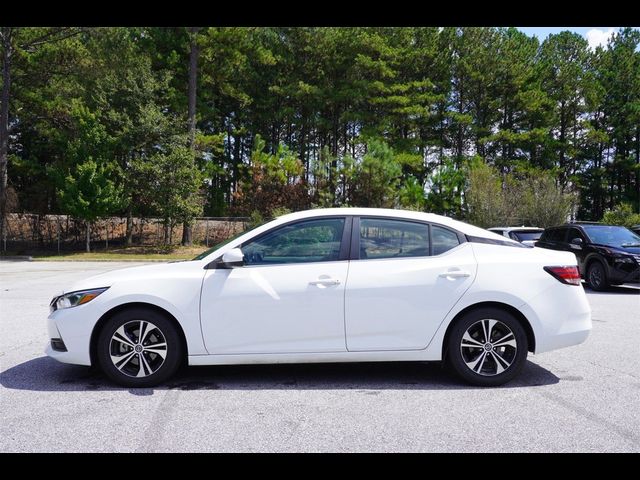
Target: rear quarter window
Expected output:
[443,239]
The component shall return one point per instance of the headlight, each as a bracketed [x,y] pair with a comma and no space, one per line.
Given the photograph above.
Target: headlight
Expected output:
[73,299]
[622,259]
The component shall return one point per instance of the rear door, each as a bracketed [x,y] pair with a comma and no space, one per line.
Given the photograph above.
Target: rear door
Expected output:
[406,277]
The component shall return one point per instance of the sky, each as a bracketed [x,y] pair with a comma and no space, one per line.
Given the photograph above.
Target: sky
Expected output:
[594,35]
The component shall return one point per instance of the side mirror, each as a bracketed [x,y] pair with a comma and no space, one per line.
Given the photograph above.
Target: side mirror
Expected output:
[233,258]
[577,242]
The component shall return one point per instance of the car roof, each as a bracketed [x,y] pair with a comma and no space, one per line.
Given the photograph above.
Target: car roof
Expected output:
[515,229]
[587,224]
[462,227]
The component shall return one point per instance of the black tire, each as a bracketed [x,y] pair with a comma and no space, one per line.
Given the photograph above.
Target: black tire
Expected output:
[158,331]
[597,276]
[491,371]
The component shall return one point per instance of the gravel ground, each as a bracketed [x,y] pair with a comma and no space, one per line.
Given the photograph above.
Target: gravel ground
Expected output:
[582,399]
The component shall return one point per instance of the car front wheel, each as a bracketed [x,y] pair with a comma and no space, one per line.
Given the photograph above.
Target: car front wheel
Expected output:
[139,348]
[597,277]
[487,347]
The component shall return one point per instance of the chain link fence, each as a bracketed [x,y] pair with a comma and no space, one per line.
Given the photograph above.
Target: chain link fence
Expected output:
[27,231]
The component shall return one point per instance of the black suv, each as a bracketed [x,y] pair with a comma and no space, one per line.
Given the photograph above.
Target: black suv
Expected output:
[607,254]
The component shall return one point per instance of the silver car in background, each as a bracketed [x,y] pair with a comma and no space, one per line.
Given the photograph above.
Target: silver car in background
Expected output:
[525,235]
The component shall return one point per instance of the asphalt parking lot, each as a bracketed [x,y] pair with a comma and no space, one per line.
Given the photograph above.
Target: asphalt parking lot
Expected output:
[580,399]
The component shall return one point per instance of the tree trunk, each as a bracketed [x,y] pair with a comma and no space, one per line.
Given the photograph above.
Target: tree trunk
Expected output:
[303,158]
[129,232]
[4,124]
[637,167]
[561,154]
[194,52]
[88,236]
[166,232]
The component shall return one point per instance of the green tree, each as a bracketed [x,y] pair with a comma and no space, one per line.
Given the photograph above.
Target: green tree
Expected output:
[368,115]
[377,177]
[88,193]
[17,47]
[619,72]
[411,195]
[274,181]
[566,77]
[445,187]
[174,181]
[622,214]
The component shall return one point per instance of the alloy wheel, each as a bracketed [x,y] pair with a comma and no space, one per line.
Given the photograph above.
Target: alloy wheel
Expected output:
[596,275]
[488,347]
[138,348]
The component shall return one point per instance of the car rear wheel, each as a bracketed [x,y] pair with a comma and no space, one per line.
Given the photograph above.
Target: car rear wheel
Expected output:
[139,348]
[487,347]
[597,276]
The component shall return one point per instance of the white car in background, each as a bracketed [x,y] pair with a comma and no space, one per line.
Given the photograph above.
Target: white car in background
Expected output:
[526,235]
[330,285]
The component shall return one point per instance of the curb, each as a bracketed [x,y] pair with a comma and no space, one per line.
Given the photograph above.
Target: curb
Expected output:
[16,258]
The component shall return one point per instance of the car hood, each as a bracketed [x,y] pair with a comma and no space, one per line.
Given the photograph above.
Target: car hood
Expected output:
[140,273]
[619,249]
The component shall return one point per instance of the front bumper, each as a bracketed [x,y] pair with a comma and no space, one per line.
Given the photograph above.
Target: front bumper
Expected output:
[71,327]
[624,273]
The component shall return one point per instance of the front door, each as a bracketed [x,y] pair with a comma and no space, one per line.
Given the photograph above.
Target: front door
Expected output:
[289,296]
[577,249]
[408,277]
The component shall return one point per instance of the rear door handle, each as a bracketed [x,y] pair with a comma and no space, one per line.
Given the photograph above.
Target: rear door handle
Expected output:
[455,274]
[325,282]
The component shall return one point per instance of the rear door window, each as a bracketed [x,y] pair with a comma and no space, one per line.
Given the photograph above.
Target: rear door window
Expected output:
[382,238]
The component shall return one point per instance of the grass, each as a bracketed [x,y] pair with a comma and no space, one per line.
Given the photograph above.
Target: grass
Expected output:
[119,254]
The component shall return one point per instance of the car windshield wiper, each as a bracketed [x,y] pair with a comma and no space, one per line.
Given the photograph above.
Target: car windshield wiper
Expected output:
[630,245]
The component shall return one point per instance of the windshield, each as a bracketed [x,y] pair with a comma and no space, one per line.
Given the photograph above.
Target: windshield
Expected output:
[524,235]
[224,242]
[613,236]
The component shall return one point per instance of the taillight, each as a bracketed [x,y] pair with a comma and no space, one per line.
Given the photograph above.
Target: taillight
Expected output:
[568,275]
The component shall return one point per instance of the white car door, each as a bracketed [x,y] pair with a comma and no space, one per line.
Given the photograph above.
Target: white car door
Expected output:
[287,298]
[407,279]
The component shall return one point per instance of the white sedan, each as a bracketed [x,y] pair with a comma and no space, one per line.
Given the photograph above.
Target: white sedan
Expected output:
[330,285]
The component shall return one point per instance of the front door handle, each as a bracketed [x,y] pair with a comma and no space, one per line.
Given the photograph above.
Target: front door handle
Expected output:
[325,282]
[455,274]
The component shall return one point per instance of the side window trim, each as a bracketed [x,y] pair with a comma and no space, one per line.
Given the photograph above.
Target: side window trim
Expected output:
[345,242]
[354,253]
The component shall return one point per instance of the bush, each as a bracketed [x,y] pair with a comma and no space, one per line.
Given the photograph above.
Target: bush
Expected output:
[622,214]
[485,199]
[541,202]
[529,197]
